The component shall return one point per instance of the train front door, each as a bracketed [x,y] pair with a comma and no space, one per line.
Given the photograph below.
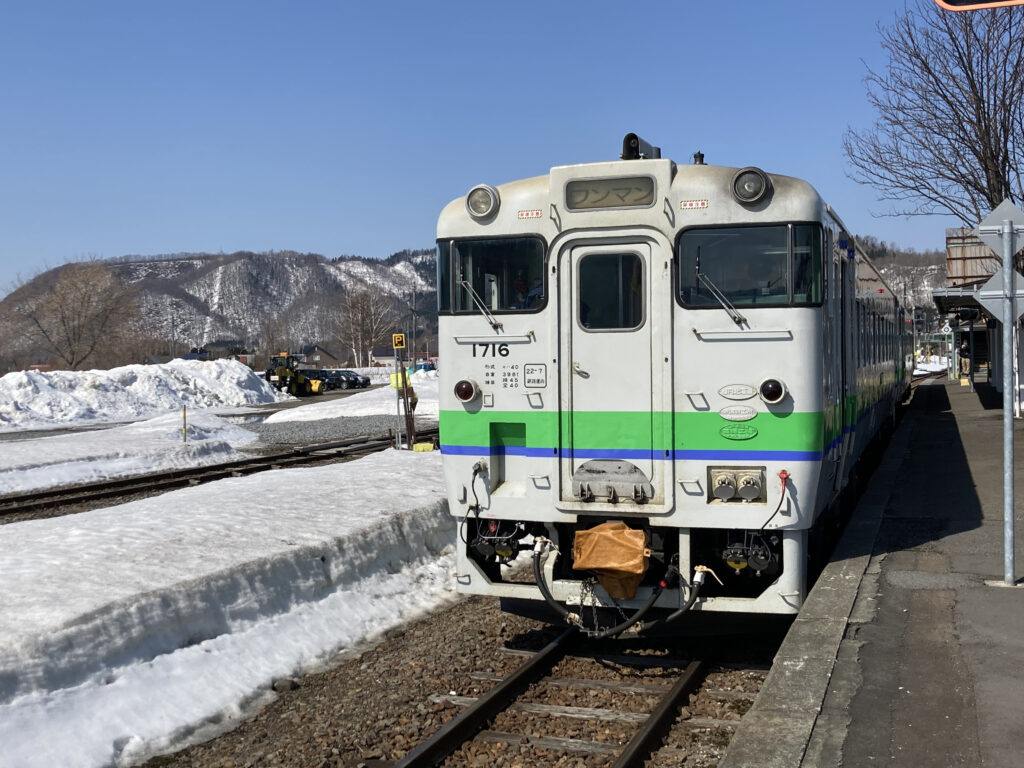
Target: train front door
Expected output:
[614,432]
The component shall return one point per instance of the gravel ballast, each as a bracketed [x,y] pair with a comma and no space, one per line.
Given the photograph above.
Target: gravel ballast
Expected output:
[371,706]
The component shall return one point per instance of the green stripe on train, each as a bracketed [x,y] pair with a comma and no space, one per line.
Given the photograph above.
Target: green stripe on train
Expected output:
[641,430]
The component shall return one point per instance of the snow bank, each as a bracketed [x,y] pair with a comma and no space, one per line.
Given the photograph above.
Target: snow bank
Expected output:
[35,400]
[128,629]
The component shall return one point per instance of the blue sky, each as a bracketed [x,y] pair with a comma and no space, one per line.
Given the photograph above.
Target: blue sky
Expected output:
[341,127]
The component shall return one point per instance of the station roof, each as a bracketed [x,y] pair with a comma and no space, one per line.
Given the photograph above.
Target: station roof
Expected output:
[949,300]
[983,295]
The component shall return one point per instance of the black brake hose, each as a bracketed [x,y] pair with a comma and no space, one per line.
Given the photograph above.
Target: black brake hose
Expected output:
[565,614]
[640,612]
[698,581]
[543,585]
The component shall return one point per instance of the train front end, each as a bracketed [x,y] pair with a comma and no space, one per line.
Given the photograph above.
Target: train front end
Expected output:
[630,428]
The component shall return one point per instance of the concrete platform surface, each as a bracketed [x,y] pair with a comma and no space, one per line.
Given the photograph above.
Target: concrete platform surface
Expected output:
[910,648]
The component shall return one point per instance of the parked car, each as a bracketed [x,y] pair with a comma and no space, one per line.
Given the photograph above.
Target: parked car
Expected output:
[335,380]
[356,379]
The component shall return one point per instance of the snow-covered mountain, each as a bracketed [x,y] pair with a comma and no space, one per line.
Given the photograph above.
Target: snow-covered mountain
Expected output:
[914,284]
[201,298]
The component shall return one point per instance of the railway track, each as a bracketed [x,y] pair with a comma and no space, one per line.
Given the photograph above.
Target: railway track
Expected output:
[918,380]
[156,482]
[629,716]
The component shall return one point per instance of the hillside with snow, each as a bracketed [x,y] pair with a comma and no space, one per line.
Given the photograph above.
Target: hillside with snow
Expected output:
[195,299]
[202,298]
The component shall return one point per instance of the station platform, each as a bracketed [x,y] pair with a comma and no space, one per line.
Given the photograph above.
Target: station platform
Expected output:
[910,648]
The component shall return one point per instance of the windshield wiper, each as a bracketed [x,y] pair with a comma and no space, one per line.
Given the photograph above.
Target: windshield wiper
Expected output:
[726,304]
[480,305]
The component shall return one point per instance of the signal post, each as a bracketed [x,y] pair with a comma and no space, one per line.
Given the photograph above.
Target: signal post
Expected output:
[400,381]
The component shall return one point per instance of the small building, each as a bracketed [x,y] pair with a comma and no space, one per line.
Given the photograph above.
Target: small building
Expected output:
[971,299]
[315,356]
[385,356]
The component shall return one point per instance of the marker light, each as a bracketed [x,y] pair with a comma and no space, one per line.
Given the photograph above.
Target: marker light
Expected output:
[772,391]
[750,185]
[466,390]
[482,202]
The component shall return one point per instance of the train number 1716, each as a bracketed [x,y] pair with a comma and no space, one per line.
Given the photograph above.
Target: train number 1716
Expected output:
[490,350]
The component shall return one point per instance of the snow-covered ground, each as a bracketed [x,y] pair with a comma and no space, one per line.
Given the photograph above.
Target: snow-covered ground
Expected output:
[369,403]
[933,364]
[130,630]
[41,401]
[130,449]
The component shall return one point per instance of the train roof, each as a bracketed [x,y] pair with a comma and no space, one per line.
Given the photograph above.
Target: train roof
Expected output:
[692,195]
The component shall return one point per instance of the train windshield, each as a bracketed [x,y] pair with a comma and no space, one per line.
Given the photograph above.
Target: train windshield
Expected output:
[753,266]
[501,275]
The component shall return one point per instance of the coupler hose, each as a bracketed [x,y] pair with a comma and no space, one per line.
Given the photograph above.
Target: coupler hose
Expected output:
[698,582]
[539,548]
[640,613]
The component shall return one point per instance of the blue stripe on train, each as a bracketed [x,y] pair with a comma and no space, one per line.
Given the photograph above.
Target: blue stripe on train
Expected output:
[599,453]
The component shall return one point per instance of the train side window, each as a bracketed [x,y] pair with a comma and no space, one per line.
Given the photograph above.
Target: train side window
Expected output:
[808,257]
[444,276]
[861,334]
[610,291]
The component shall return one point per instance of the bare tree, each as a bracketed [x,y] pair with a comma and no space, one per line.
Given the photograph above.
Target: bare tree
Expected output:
[364,321]
[85,311]
[277,335]
[949,137]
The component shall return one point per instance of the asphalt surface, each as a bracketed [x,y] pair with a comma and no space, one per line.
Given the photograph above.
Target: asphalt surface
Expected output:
[910,648]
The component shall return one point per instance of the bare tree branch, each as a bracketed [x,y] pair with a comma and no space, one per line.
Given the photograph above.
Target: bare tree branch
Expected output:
[364,321]
[84,312]
[949,133]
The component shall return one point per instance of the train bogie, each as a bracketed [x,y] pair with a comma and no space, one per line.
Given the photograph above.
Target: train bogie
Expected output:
[699,353]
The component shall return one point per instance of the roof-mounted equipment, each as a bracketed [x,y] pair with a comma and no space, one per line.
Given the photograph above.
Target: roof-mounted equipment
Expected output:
[635,148]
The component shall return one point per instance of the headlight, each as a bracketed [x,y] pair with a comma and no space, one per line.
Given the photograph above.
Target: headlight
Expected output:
[466,390]
[482,202]
[772,391]
[750,185]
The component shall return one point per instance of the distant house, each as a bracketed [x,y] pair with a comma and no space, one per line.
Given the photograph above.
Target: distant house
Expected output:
[315,356]
[385,356]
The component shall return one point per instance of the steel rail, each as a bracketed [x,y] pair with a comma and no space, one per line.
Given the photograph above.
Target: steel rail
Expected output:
[660,720]
[178,478]
[482,711]
[478,715]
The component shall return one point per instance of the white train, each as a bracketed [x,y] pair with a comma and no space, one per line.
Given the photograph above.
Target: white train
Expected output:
[694,358]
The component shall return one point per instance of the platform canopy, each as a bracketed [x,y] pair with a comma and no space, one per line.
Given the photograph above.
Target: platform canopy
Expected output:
[986,296]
